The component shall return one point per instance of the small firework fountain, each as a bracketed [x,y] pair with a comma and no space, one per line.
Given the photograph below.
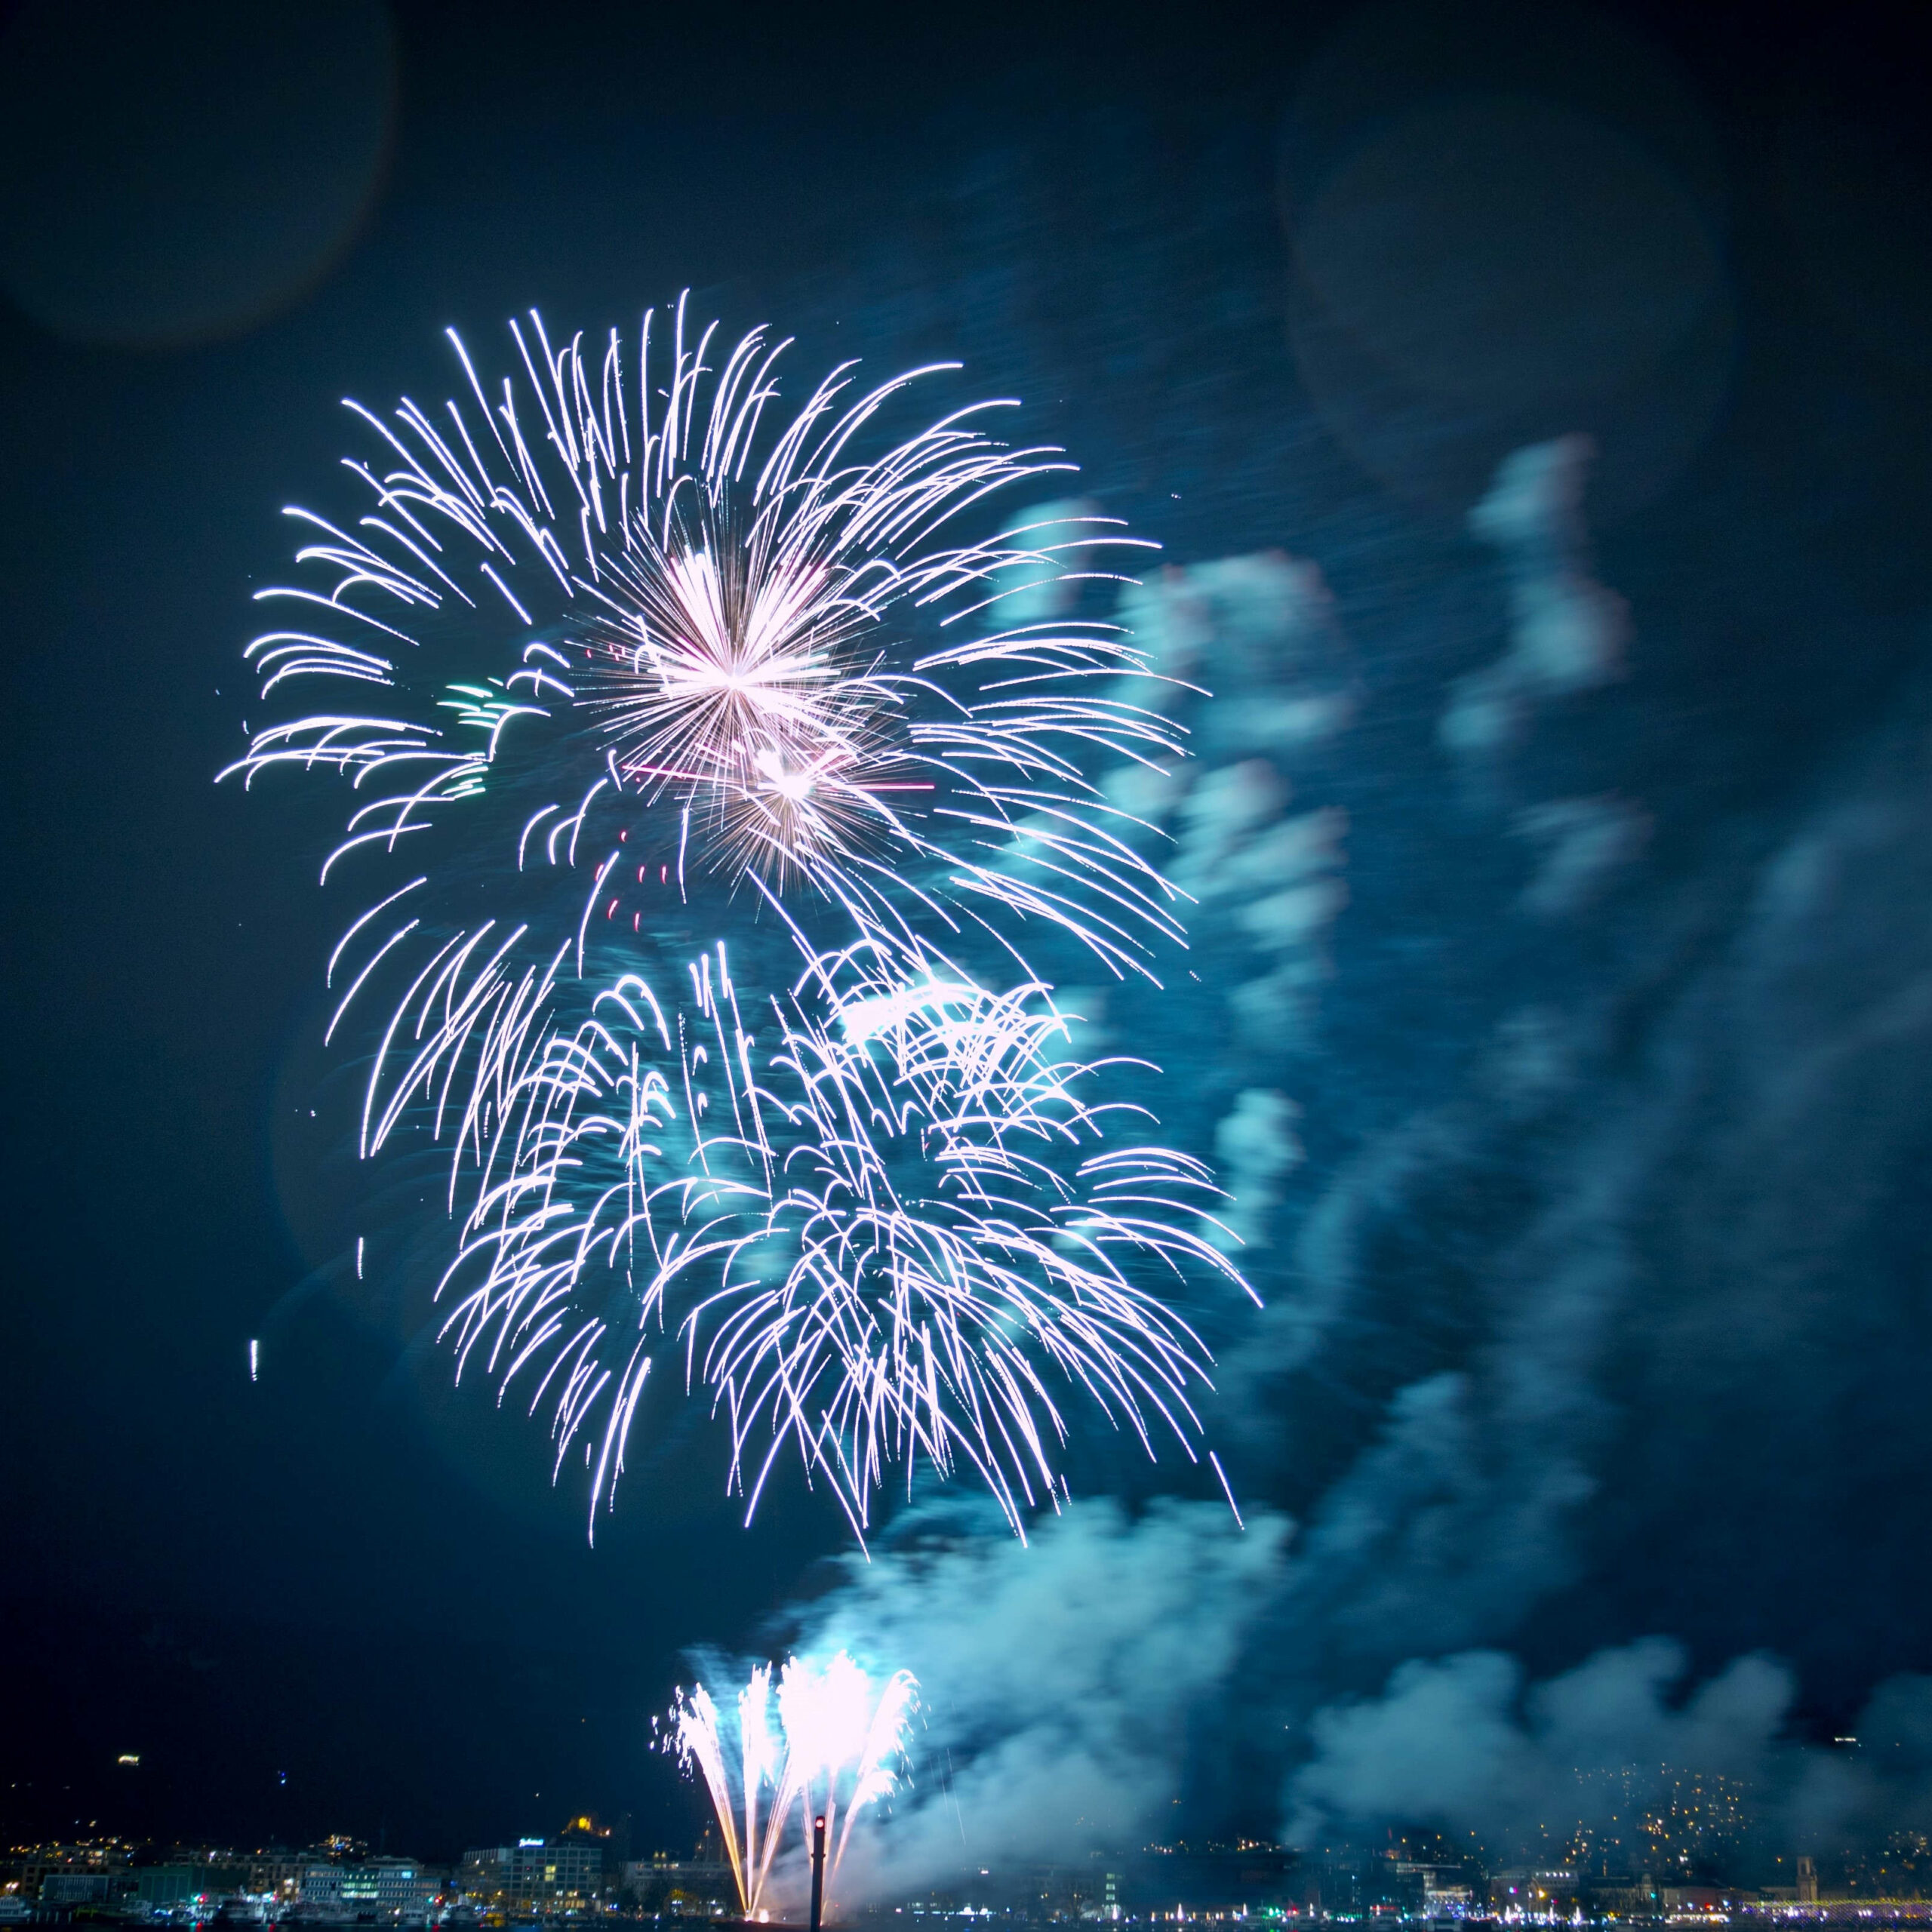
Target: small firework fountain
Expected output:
[824,1741]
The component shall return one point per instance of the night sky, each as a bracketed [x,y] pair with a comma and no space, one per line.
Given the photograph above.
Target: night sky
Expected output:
[1644,1354]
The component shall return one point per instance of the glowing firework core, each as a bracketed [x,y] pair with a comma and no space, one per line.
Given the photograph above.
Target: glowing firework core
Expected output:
[720,698]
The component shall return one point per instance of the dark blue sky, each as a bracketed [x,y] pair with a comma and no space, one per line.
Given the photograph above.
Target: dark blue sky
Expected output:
[339,1574]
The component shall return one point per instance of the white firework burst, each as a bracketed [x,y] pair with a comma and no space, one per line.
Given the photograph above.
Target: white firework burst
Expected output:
[761,634]
[885,1222]
[895,1231]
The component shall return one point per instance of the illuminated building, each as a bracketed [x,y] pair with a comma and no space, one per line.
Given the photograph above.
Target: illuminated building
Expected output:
[1534,1891]
[66,1890]
[535,1873]
[380,1885]
[176,1884]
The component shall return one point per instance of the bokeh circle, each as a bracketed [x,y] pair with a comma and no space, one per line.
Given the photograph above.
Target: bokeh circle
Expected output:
[1498,252]
[1505,223]
[173,173]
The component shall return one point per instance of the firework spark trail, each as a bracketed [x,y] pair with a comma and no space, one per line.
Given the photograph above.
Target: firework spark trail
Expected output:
[835,1742]
[860,1322]
[735,1787]
[719,630]
[878,1217]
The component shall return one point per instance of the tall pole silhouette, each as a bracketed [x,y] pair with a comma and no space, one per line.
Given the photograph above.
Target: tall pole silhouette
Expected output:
[818,1873]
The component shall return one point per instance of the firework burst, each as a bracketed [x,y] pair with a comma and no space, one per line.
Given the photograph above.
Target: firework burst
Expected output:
[882,1214]
[885,1231]
[720,624]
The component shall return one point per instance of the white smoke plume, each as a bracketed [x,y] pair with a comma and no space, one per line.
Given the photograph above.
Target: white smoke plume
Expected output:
[1256,1147]
[1058,1681]
[1550,1340]
[1276,879]
[1262,625]
[1583,844]
[1583,1759]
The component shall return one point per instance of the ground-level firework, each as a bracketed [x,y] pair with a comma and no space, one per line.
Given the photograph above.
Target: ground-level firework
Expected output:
[650,673]
[825,1741]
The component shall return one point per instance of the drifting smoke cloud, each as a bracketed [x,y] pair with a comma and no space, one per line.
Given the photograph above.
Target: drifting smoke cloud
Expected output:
[1059,1682]
[1268,879]
[1270,887]
[1600,1334]
[1460,1744]
[1263,625]
[1257,1149]
[1567,632]
[1583,843]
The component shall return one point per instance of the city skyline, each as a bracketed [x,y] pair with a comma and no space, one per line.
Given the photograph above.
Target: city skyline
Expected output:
[586,1868]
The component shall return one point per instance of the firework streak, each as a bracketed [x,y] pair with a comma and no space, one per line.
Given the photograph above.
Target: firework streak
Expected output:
[736,668]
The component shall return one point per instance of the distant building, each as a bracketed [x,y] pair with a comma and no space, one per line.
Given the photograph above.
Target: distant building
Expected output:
[1248,1875]
[176,1884]
[615,1839]
[40,1863]
[1618,1895]
[1534,1889]
[665,1880]
[535,1873]
[279,1871]
[1807,1880]
[68,1889]
[380,1885]
[1420,1887]
[1681,1901]
[481,1877]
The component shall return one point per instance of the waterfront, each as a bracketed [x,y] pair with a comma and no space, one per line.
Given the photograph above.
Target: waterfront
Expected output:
[579,1874]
